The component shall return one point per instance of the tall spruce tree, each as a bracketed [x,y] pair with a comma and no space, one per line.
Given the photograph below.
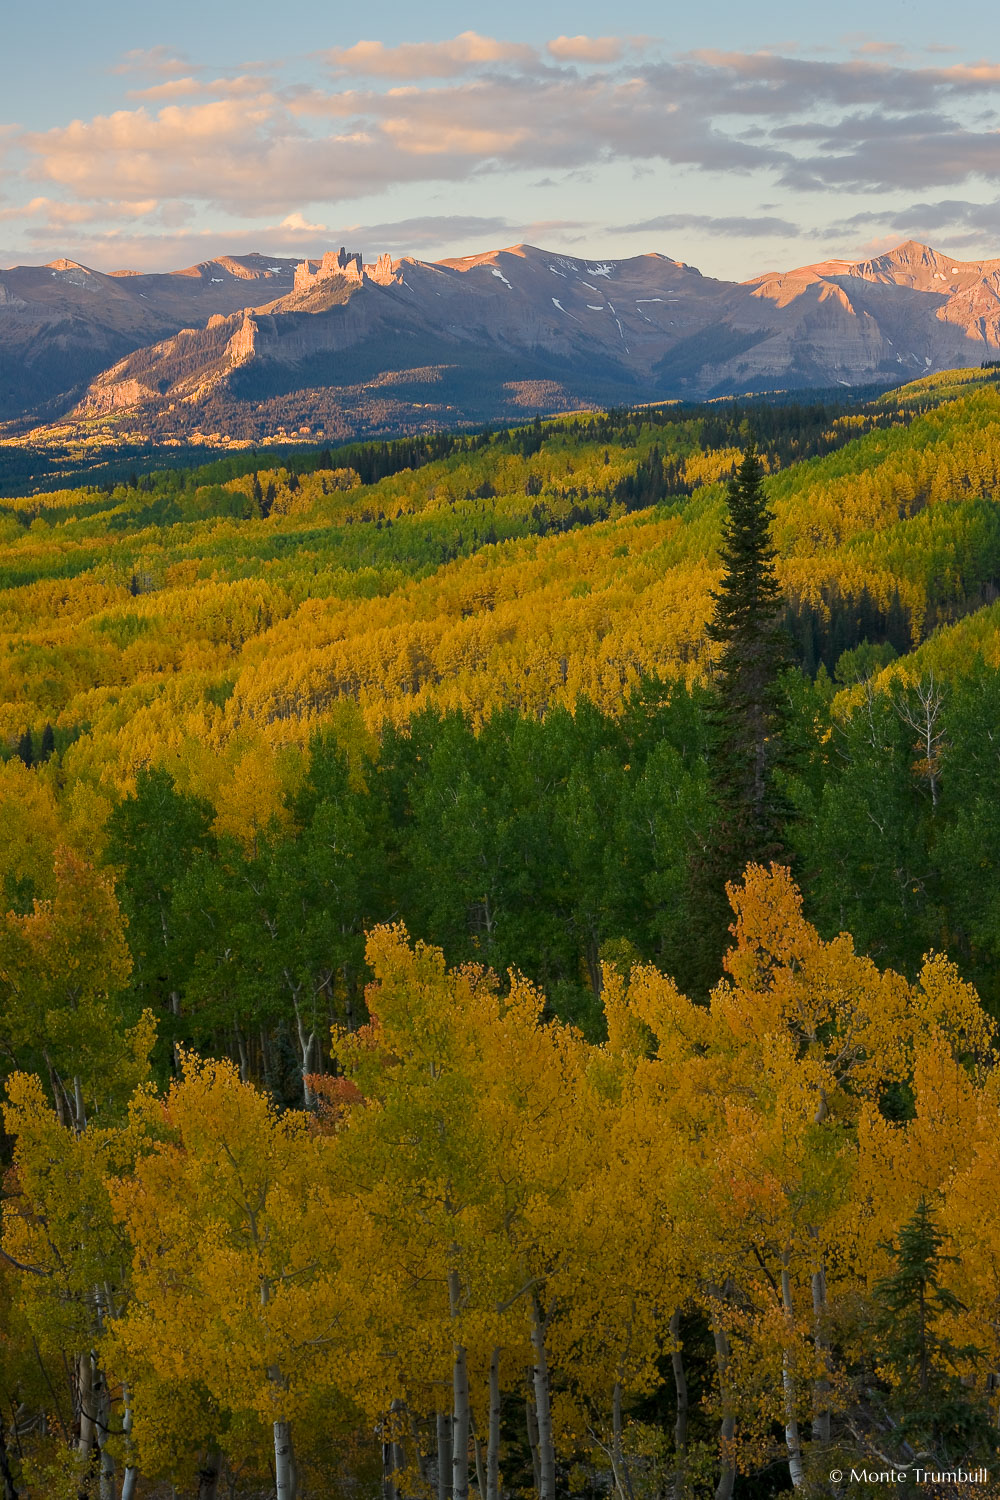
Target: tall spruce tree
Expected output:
[932,1410]
[748,625]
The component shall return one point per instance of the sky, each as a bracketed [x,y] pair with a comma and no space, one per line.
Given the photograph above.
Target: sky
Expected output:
[737,138]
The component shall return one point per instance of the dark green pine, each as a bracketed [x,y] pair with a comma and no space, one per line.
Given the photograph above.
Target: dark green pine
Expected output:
[931,1408]
[748,624]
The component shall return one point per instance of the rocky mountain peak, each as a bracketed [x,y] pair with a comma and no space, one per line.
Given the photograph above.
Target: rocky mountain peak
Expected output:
[515,330]
[68,265]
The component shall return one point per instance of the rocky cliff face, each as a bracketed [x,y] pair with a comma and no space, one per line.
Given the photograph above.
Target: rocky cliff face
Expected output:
[465,339]
[61,324]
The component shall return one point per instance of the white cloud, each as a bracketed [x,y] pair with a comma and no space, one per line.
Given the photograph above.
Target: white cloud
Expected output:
[299,224]
[593,49]
[157,60]
[241,86]
[473,107]
[427,59]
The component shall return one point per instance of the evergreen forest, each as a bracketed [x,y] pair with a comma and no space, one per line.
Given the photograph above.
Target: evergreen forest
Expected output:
[500,962]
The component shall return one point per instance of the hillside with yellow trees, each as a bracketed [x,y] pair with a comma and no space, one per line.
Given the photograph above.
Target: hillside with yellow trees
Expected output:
[408,1093]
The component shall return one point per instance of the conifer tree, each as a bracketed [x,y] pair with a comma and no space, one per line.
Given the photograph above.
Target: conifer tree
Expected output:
[748,624]
[932,1409]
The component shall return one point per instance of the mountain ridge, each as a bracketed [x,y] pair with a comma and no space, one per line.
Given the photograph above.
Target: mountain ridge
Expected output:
[346,347]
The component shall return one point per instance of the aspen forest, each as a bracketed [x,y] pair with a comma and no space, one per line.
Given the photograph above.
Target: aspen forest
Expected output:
[479,1019]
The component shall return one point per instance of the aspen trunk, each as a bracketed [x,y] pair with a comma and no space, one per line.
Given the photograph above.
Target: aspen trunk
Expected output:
[543,1410]
[131,1472]
[423,1465]
[265,1062]
[821,1390]
[460,1406]
[209,1475]
[493,1442]
[307,1046]
[59,1097]
[793,1440]
[681,1388]
[397,1454]
[393,1453]
[477,1451]
[460,1427]
[389,1491]
[241,1048]
[79,1112]
[727,1427]
[619,1463]
[420,1455]
[531,1422]
[284,1461]
[85,1397]
[443,1456]
[103,1422]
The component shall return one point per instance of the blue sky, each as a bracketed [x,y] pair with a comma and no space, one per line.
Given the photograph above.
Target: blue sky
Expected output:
[735,137]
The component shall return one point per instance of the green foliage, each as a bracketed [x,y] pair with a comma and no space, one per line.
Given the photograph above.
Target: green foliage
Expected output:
[747,625]
[934,1415]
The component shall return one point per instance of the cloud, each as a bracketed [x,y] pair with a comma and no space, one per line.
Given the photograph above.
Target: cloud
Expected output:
[735,225]
[916,154]
[880,49]
[260,153]
[180,88]
[427,59]
[432,229]
[299,224]
[596,49]
[474,107]
[54,213]
[295,237]
[159,60]
[950,216]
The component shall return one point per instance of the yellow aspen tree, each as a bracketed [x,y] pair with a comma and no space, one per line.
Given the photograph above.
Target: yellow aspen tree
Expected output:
[63,967]
[73,1262]
[251,1321]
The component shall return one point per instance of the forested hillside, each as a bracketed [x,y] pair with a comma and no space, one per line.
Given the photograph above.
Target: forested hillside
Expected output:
[389,1082]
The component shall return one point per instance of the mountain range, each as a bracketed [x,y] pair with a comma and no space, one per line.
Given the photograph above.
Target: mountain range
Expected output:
[248,347]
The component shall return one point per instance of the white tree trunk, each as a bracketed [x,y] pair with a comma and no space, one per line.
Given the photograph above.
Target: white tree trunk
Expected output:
[681,1388]
[531,1422]
[307,1046]
[460,1405]
[284,1461]
[396,1457]
[102,1400]
[478,1453]
[793,1440]
[460,1427]
[543,1408]
[493,1443]
[821,1390]
[85,1397]
[79,1110]
[131,1473]
[727,1427]
[619,1463]
[443,1456]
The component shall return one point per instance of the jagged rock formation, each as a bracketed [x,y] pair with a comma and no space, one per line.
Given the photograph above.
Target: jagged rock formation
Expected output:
[332,264]
[61,324]
[520,329]
[342,263]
